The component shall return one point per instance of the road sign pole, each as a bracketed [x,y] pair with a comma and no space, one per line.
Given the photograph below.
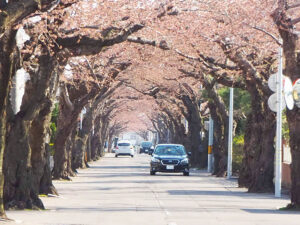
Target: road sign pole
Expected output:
[278,128]
[229,162]
[210,144]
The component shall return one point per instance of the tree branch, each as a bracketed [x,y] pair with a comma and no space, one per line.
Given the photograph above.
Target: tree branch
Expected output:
[55,4]
[162,44]
[15,11]
[295,21]
[278,41]
[92,71]
[84,45]
[293,6]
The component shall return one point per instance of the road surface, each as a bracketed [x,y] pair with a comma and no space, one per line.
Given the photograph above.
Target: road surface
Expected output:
[120,191]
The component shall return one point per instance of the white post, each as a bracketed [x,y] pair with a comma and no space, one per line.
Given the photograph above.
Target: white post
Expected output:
[81,119]
[278,128]
[210,143]
[230,128]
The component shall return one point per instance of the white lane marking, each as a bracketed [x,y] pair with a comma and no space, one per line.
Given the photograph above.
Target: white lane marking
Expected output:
[18,221]
[161,204]
[172,223]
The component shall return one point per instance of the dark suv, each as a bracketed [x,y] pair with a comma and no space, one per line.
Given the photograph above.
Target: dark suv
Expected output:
[145,147]
[170,158]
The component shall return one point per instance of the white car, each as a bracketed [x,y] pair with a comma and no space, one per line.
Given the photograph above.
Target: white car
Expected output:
[124,148]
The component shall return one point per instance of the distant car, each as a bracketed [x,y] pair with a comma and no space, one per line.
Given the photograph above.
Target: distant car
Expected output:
[145,147]
[170,158]
[124,148]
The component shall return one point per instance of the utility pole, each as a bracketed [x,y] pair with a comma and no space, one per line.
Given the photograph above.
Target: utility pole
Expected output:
[230,128]
[278,128]
[210,144]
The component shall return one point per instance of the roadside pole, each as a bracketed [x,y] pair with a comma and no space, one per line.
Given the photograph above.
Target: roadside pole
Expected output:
[278,128]
[230,128]
[210,144]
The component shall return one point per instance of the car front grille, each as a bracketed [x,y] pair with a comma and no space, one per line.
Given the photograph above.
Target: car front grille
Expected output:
[170,161]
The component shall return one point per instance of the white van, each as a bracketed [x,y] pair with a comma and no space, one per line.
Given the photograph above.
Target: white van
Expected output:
[124,148]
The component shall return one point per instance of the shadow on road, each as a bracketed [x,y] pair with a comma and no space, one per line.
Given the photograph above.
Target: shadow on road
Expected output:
[119,167]
[270,211]
[220,193]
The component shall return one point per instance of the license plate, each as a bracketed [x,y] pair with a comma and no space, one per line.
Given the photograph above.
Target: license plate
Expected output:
[170,167]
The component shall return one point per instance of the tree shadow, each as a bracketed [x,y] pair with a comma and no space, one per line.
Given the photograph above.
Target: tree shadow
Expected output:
[119,167]
[222,193]
[270,211]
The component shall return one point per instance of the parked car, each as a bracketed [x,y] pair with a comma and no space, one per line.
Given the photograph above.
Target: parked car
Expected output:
[145,147]
[170,158]
[124,148]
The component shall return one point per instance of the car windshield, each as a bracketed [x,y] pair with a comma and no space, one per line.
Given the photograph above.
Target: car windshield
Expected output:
[146,144]
[170,150]
[123,144]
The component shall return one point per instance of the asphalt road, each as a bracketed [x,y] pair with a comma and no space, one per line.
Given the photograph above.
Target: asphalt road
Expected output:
[120,191]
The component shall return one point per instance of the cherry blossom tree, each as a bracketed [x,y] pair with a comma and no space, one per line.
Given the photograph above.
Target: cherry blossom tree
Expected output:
[287,19]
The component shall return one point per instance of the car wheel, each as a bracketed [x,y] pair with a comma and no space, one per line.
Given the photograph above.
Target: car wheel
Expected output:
[152,172]
[131,156]
[116,156]
[186,173]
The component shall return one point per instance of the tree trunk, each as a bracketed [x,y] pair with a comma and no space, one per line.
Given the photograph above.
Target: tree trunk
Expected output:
[62,155]
[6,71]
[195,140]
[94,144]
[290,47]
[67,120]
[89,148]
[220,144]
[2,146]
[25,153]
[18,188]
[257,170]
[80,148]
[220,116]
[46,185]
[78,152]
[40,158]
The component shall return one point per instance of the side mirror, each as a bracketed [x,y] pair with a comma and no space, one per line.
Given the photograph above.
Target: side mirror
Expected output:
[189,154]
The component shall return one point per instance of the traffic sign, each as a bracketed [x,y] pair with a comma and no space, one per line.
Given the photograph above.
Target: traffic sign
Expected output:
[287,89]
[272,102]
[296,92]
[288,92]
[272,82]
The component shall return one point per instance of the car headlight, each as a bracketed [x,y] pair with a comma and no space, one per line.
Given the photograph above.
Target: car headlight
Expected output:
[155,160]
[185,161]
